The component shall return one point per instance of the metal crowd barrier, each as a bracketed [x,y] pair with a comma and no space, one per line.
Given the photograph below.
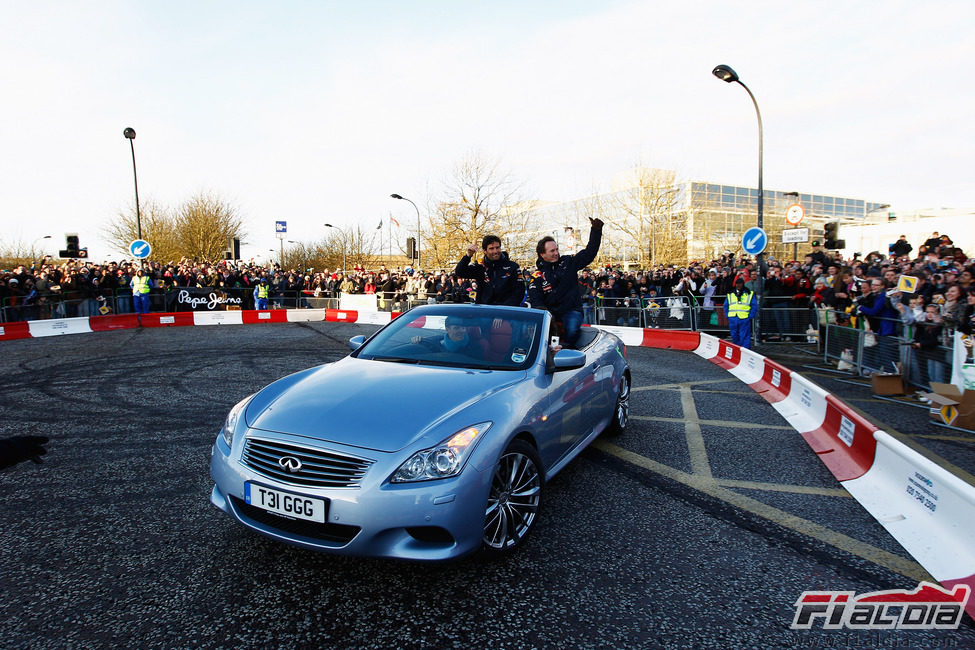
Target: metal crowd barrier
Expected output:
[857,351]
[672,312]
[54,306]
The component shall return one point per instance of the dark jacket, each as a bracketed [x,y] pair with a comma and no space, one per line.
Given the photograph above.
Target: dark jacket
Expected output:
[928,334]
[882,317]
[555,285]
[901,247]
[498,283]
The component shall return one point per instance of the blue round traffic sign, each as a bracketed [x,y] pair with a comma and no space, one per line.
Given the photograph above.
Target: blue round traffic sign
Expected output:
[754,240]
[140,249]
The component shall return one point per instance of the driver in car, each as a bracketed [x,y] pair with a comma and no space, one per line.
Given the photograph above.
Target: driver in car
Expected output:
[457,339]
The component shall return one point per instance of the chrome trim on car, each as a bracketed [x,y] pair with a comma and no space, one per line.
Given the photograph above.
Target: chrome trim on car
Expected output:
[303,466]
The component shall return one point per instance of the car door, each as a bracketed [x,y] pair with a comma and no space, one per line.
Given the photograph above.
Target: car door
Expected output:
[567,415]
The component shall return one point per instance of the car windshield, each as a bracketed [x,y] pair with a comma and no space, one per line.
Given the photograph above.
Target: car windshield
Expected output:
[459,337]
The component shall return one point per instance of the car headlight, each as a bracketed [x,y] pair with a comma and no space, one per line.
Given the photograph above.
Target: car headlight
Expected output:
[230,425]
[444,460]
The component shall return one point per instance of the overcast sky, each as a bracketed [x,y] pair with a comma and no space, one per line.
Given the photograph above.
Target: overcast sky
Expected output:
[314,112]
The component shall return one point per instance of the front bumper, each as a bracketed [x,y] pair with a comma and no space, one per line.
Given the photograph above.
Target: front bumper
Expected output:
[431,520]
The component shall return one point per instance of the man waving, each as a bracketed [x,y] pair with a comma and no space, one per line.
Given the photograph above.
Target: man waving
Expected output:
[555,285]
[498,281]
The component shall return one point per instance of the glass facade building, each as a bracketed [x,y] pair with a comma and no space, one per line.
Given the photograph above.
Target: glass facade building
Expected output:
[718,216]
[676,222]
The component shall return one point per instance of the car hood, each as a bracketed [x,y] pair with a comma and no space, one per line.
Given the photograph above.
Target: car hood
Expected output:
[371,404]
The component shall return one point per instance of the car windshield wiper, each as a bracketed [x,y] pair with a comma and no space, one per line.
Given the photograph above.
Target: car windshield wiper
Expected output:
[396,359]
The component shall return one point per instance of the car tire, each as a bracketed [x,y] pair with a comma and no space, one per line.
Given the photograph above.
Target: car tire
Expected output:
[514,500]
[621,408]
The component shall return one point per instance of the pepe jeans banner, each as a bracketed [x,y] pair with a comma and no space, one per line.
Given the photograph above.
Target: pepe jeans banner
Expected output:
[209,299]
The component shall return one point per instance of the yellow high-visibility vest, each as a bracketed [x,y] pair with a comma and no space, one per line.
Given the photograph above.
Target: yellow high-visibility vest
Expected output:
[262,291]
[739,307]
[140,285]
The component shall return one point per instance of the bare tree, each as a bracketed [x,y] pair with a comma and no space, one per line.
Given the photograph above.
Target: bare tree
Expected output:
[205,224]
[17,253]
[158,228]
[360,246]
[478,199]
[650,217]
[201,227]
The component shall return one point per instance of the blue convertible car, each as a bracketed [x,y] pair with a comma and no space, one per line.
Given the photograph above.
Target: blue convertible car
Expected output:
[434,438]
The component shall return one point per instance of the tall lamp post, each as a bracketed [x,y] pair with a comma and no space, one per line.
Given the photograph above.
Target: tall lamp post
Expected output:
[344,267]
[129,133]
[290,241]
[403,198]
[795,246]
[726,74]
[32,249]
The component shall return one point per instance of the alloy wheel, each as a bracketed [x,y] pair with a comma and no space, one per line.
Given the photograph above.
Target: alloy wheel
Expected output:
[515,495]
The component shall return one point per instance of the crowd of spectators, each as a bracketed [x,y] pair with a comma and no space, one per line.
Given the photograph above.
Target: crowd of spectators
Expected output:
[864,287]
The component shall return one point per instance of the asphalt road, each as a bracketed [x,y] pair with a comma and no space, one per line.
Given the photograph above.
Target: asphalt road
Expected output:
[699,527]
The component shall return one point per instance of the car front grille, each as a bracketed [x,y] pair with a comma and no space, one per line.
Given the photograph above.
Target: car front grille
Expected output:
[319,468]
[337,533]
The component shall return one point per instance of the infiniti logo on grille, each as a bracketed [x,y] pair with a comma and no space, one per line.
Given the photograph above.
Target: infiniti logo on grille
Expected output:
[290,464]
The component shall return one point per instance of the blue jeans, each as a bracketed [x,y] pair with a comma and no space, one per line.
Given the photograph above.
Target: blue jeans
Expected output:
[572,322]
[741,331]
[141,301]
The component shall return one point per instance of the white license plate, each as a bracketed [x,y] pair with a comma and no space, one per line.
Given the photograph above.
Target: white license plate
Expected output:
[297,506]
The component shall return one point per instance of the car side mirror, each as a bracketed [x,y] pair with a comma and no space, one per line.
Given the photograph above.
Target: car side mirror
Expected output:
[356,342]
[568,360]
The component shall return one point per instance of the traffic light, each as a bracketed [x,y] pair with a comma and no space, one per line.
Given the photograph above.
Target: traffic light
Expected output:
[831,236]
[411,248]
[233,249]
[71,248]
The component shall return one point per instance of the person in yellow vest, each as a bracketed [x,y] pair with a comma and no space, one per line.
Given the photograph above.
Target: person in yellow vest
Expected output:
[261,293]
[741,306]
[141,285]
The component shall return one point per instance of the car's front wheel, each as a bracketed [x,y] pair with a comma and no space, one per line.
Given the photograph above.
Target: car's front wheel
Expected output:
[516,492]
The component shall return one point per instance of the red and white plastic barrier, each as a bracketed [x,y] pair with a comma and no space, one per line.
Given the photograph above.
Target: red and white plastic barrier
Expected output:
[930,511]
[926,508]
[53,327]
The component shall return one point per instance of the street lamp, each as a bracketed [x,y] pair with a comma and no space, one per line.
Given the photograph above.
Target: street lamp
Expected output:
[290,241]
[344,267]
[129,133]
[403,198]
[32,248]
[867,213]
[726,74]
